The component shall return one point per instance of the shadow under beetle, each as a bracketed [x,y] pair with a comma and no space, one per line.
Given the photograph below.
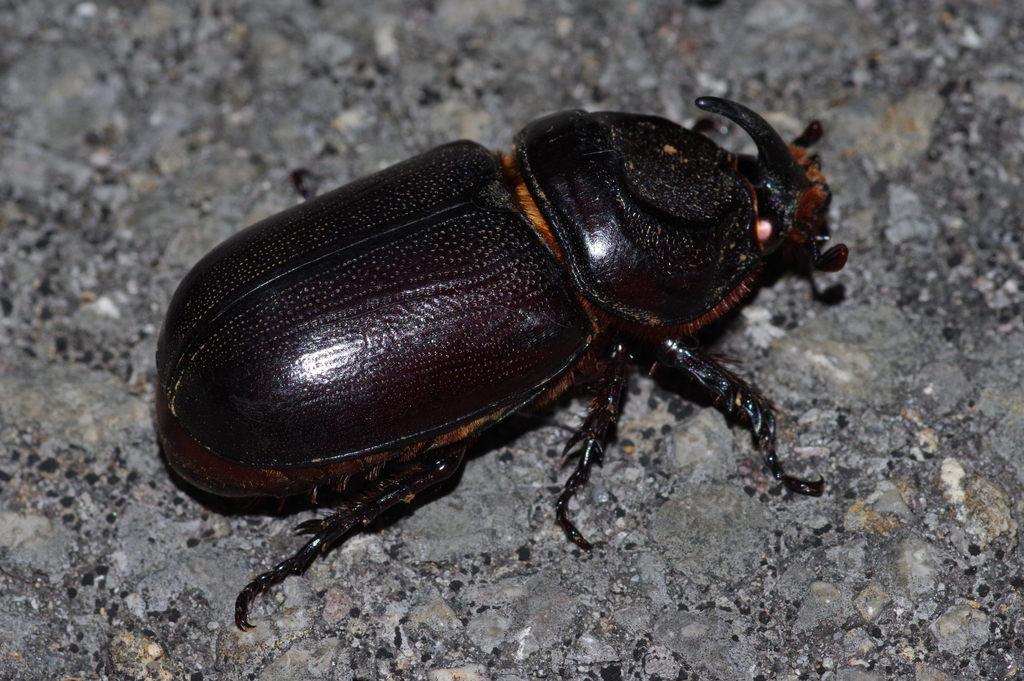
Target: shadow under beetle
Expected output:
[361,341]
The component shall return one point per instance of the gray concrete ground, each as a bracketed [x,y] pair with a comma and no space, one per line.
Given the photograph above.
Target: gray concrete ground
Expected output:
[136,136]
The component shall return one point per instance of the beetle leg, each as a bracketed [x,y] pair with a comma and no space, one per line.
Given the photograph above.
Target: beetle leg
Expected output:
[604,408]
[811,134]
[409,480]
[736,397]
[299,182]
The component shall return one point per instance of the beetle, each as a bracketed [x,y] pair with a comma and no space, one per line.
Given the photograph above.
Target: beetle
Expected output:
[359,342]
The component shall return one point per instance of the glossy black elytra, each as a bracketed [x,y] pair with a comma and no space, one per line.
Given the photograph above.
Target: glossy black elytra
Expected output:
[361,341]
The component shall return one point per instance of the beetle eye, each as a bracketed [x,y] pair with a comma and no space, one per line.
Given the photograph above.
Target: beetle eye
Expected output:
[764,231]
[769,233]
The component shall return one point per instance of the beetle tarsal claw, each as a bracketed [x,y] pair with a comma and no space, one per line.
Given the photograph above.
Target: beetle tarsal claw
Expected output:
[591,439]
[570,529]
[811,488]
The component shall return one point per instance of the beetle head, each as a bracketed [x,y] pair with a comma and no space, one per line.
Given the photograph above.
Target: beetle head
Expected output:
[792,196]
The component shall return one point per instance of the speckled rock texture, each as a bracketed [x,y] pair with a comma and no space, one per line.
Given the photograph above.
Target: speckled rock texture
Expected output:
[136,136]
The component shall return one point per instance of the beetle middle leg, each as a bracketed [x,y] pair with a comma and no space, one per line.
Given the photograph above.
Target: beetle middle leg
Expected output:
[604,408]
[409,479]
[736,397]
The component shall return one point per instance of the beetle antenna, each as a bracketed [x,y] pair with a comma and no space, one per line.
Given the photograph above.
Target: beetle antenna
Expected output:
[831,260]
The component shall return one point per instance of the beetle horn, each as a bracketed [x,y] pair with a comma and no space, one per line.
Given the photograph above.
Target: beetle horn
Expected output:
[774,156]
[788,179]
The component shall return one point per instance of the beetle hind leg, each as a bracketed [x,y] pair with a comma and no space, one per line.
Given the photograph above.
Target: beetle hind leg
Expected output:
[737,398]
[410,479]
[604,408]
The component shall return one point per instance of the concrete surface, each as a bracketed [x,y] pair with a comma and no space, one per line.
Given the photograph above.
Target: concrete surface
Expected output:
[136,136]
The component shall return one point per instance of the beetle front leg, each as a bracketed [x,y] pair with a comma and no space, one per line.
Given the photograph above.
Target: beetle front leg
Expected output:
[299,182]
[604,409]
[737,398]
[411,479]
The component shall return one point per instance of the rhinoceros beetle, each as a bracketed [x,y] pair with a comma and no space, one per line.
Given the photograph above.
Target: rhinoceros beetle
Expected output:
[358,343]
